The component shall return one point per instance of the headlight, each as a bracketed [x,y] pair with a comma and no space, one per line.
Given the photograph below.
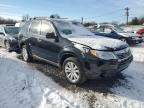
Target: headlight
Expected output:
[103,54]
[83,48]
[100,54]
[135,37]
[106,55]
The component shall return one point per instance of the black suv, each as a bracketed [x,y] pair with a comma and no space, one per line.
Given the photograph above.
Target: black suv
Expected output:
[77,51]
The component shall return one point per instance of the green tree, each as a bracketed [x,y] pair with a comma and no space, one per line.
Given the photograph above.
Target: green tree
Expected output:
[135,21]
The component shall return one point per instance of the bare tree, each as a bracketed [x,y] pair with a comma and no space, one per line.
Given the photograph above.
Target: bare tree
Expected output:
[55,16]
[25,17]
[7,21]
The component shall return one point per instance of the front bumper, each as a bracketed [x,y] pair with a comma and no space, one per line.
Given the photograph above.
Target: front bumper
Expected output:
[95,67]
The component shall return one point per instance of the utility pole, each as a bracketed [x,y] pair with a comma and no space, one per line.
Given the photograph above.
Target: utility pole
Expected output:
[82,20]
[127,14]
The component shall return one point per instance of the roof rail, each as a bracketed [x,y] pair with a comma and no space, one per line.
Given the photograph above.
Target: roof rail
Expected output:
[43,17]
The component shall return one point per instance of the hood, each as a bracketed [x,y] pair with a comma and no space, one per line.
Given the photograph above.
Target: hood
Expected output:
[99,43]
[127,34]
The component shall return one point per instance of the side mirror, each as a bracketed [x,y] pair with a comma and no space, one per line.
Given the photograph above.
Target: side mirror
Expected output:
[1,33]
[50,35]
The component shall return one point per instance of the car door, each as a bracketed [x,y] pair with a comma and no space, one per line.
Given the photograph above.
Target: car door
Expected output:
[33,37]
[48,47]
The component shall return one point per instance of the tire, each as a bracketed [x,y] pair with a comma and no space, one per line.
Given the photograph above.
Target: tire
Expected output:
[7,46]
[26,55]
[73,71]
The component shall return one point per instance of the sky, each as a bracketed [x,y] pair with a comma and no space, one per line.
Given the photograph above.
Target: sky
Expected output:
[90,10]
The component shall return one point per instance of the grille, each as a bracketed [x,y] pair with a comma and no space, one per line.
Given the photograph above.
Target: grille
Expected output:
[122,54]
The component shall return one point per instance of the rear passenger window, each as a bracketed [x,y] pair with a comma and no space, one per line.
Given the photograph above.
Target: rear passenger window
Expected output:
[46,27]
[35,27]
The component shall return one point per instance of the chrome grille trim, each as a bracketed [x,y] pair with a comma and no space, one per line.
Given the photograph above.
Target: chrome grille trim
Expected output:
[123,54]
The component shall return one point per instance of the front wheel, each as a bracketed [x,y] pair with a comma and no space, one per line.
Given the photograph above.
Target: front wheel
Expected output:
[26,54]
[73,71]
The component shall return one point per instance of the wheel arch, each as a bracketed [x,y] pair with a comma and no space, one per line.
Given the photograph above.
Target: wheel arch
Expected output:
[64,56]
[5,41]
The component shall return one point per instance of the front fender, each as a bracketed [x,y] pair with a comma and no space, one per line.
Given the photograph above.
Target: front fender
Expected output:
[71,51]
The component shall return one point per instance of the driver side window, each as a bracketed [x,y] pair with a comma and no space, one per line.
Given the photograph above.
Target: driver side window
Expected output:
[47,27]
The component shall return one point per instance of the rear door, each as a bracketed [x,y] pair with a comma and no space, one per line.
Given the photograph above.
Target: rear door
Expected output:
[48,47]
[34,37]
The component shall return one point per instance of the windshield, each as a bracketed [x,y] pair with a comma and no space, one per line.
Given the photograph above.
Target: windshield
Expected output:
[72,29]
[118,29]
[11,30]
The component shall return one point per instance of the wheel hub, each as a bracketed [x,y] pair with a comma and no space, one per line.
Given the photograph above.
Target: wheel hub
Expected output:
[72,72]
[25,55]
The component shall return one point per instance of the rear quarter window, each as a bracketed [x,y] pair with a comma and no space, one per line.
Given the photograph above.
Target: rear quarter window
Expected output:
[46,27]
[35,27]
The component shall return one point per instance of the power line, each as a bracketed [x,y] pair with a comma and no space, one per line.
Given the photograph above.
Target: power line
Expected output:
[105,14]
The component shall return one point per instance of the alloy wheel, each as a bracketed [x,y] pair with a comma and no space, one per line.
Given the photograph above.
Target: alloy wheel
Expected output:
[7,46]
[72,72]
[25,54]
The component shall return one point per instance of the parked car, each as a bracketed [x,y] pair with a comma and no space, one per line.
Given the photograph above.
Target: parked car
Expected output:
[9,37]
[140,32]
[73,48]
[113,31]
